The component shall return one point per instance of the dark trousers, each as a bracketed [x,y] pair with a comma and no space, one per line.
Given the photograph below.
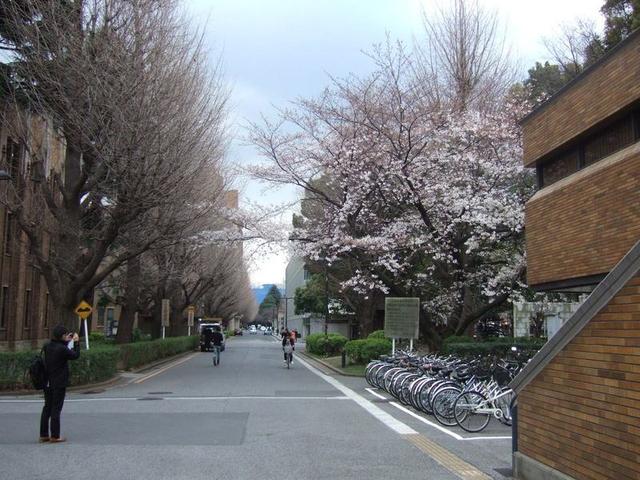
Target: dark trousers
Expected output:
[53,401]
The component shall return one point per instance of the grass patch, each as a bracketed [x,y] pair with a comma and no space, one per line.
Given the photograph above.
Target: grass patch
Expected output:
[351,368]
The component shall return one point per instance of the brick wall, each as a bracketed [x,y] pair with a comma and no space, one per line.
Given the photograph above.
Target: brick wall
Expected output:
[581,414]
[583,225]
[599,94]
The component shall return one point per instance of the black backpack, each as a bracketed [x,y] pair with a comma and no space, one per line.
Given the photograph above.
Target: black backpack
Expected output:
[38,371]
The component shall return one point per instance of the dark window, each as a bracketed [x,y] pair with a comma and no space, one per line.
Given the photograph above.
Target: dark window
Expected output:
[560,167]
[610,140]
[601,144]
[101,316]
[13,158]
[306,273]
[46,309]
[8,233]
[27,308]
[4,307]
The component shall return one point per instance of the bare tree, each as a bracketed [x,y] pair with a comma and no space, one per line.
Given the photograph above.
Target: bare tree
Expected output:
[575,47]
[126,88]
[463,59]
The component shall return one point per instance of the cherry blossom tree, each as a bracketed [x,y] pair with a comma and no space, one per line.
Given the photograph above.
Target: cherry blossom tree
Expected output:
[423,197]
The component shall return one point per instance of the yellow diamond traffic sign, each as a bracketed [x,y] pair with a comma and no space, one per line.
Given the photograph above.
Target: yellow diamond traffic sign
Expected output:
[83,310]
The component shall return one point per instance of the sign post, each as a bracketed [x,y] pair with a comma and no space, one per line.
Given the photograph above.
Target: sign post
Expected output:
[191,310]
[401,319]
[83,310]
[166,308]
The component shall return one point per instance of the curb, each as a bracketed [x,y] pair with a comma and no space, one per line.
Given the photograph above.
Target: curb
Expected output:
[329,366]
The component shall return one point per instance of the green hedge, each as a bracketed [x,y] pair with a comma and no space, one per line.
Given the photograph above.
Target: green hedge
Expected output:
[377,334]
[94,365]
[136,354]
[327,345]
[499,346]
[363,351]
[458,339]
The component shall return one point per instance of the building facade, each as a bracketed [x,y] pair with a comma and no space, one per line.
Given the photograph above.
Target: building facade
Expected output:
[31,151]
[577,404]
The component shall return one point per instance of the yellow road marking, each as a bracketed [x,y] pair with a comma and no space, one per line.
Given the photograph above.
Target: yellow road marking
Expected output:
[140,380]
[447,459]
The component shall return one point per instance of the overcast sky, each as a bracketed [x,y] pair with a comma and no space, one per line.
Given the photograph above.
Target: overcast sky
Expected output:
[276,50]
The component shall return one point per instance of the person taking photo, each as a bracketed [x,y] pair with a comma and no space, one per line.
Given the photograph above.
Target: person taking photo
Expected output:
[64,346]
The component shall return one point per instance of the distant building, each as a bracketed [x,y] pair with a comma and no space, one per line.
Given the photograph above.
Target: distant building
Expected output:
[297,275]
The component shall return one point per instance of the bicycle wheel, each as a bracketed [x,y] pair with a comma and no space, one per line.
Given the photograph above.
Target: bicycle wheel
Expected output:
[442,405]
[465,411]
[504,404]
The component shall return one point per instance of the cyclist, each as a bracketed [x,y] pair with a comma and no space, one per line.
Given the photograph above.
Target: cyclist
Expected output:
[216,340]
[287,339]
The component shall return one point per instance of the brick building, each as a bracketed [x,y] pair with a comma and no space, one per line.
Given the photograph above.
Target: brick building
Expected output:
[578,400]
[31,150]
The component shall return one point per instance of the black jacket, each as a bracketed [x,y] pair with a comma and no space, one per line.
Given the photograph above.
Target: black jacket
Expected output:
[56,357]
[217,338]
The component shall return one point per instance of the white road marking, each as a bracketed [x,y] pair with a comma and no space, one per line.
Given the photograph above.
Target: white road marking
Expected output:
[162,370]
[432,424]
[384,417]
[111,399]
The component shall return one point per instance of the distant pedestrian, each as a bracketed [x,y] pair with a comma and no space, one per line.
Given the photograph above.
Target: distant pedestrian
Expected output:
[64,346]
[217,339]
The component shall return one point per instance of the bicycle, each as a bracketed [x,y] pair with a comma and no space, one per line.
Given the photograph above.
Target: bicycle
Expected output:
[473,410]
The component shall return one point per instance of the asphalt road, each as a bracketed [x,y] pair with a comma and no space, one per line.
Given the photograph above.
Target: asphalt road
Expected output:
[248,418]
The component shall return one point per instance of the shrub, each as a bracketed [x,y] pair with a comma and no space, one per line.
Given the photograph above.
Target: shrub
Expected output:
[458,339]
[377,334]
[353,350]
[138,336]
[135,354]
[94,365]
[500,347]
[321,344]
[13,369]
[373,348]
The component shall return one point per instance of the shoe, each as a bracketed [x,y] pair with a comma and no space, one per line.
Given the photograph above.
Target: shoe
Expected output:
[43,439]
[57,439]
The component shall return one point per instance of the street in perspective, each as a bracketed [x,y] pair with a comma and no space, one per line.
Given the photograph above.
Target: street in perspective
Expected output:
[267,239]
[249,417]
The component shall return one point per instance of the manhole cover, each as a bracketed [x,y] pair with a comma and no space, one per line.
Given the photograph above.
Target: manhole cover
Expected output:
[160,393]
[149,398]
[90,392]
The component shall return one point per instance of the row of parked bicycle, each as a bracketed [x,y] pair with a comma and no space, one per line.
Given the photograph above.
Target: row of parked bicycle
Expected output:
[453,390]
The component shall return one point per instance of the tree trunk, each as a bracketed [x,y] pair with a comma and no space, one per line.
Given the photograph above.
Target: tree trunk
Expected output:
[130,306]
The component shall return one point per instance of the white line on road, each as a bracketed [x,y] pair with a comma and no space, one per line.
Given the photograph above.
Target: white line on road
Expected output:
[171,365]
[431,424]
[111,399]
[374,410]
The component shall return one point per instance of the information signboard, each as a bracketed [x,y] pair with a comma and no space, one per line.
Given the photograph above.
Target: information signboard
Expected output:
[166,309]
[401,317]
